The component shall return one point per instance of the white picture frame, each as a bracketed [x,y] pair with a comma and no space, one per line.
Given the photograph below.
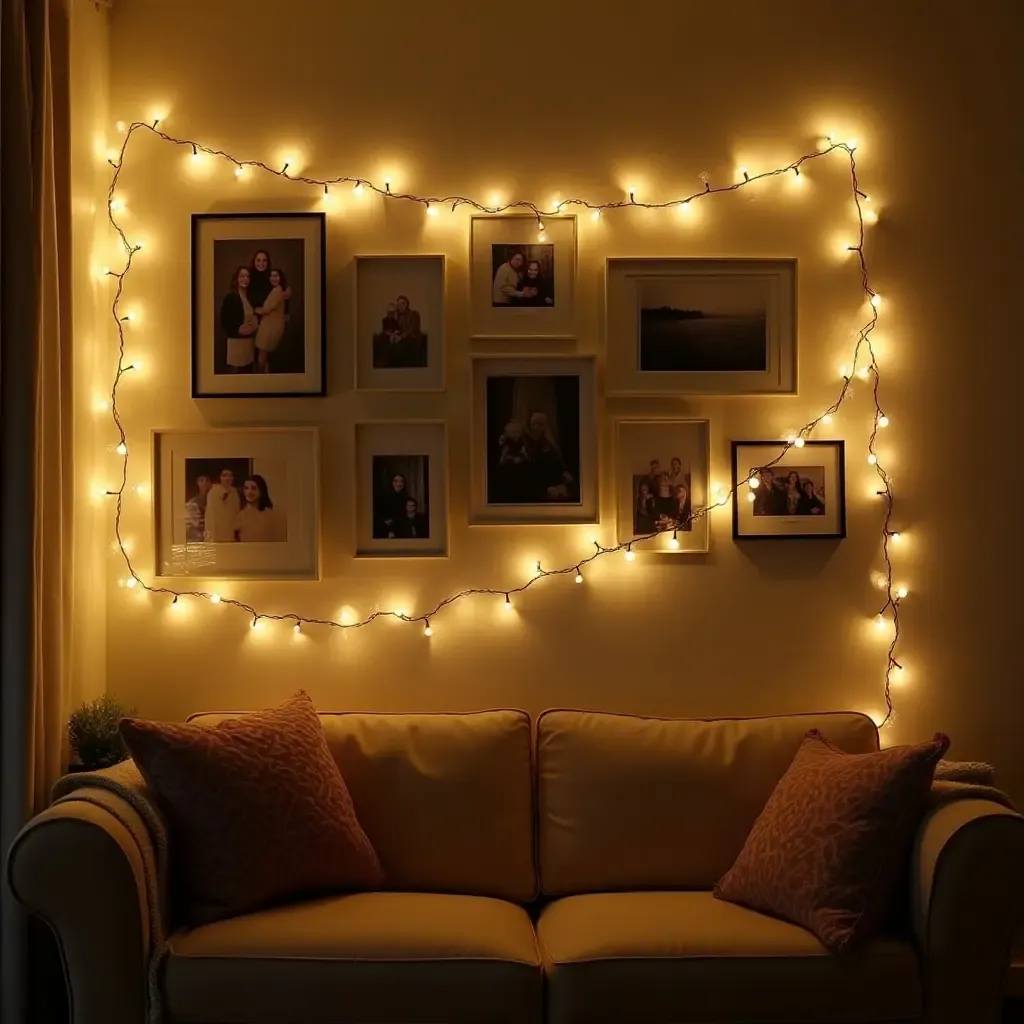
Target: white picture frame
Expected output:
[418,451]
[668,441]
[280,542]
[517,390]
[498,310]
[685,326]
[413,361]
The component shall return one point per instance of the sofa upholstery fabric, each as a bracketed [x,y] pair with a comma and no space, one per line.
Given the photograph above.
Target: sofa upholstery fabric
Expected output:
[647,803]
[364,958]
[447,800]
[686,958]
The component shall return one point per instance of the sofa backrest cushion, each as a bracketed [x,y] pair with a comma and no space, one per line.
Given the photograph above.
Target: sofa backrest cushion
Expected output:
[446,799]
[649,803]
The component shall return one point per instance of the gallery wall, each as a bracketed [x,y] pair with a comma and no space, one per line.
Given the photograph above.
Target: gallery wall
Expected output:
[455,98]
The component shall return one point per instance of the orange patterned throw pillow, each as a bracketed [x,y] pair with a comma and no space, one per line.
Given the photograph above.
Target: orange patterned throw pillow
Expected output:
[832,843]
[256,809]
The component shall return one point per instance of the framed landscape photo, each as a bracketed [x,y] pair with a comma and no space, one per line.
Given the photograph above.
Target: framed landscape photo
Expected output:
[399,323]
[661,471]
[796,493]
[237,504]
[534,440]
[258,305]
[401,489]
[695,326]
[522,279]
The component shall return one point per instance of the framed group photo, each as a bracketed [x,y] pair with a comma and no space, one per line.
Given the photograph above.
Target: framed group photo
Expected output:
[401,489]
[237,504]
[399,323]
[661,469]
[797,493]
[522,279]
[534,440]
[696,326]
[258,305]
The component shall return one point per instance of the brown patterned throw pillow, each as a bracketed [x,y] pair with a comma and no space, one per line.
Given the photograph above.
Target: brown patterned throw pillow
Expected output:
[256,808]
[832,842]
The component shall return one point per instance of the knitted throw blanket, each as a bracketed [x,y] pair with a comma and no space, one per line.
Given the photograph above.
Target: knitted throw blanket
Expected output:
[112,788]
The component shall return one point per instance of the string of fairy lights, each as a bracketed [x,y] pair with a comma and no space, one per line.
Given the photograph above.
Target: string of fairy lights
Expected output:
[864,367]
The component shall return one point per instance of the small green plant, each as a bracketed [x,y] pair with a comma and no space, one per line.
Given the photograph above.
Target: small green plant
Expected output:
[92,731]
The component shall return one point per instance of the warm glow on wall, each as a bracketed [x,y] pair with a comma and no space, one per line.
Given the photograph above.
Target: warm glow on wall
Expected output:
[632,193]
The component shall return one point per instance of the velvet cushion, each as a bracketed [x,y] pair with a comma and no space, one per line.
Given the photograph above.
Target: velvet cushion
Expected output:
[256,807]
[832,843]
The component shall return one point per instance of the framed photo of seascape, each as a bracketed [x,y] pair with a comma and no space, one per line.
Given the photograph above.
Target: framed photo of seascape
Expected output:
[237,504]
[522,278]
[799,493]
[694,326]
[399,323]
[258,305]
[661,469]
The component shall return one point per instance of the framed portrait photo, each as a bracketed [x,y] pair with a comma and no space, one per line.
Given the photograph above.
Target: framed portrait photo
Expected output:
[534,440]
[237,504]
[695,326]
[399,323]
[522,279]
[661,471]
[258,305]
[801,493]
[401,489]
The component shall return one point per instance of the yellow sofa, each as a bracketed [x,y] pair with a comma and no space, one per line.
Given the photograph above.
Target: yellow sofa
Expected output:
[553,871]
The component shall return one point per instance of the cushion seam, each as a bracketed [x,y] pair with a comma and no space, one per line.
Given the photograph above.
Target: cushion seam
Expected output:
[250,957]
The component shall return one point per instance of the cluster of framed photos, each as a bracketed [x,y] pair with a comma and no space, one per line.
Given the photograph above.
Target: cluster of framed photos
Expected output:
[245,503]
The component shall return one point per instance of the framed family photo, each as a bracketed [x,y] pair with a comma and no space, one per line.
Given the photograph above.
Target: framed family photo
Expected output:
[695,326]
[522,279]
[237,504]
[661,469]
[401,489]
[534,440]
[258,305]
[801,493]
[399,323]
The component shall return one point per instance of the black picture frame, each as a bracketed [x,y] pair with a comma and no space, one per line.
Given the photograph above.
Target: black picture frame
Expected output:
[198,219]
[740,532]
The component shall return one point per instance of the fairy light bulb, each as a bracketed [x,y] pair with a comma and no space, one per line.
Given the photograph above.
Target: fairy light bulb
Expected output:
[358,190]
[673,541]
[176,605]
[827,418]
[595,215]
[297,628]
[876,300]
[121,127]
[630,553]
[743,173]
[751,497]
[121,449]
[895,537]
[130,582]
[215,599]
[427,631]
[579,575]
[883,421]
[387,184]
[879,621]
[239,171]
[901,592]
[872,459]
[256,624]
[753,482]
[431,210]
[844,372]
[508,603]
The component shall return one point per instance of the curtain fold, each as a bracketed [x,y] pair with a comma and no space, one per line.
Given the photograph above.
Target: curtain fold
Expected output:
[36,406]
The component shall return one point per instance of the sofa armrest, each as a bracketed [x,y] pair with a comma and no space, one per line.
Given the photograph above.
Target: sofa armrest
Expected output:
[967,902]
[79,868]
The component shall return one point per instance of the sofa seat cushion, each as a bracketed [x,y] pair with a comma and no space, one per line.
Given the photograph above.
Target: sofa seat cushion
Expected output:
[661,957]
[364,958]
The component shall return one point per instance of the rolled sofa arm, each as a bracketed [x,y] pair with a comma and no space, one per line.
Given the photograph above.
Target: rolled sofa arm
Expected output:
[79,866]
[967,901]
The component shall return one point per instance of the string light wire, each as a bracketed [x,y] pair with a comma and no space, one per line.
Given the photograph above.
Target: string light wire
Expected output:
[890,610]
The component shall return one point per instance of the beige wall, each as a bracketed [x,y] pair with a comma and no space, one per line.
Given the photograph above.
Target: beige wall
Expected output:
[584,99]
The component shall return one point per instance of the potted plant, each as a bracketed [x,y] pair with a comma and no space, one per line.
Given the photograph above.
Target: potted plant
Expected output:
[93,732]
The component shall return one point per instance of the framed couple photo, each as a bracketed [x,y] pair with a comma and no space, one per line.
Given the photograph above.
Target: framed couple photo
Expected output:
[695,326]
[799,493]
[237,504]
[258,305]
[522,279]
[534,445]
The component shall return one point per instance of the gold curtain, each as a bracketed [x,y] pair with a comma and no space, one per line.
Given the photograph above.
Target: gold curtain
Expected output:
[36,472]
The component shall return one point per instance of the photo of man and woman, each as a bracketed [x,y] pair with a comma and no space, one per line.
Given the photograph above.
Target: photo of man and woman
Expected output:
[661,497]
[228,501]
[401,497]
[260,311]
[401,342]
[533,432]
[790,491]
[523,275]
